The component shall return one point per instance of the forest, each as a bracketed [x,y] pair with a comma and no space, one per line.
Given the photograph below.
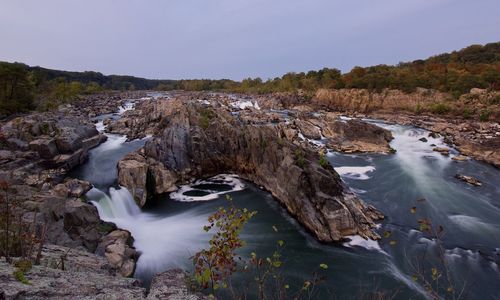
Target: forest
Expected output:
[24,88]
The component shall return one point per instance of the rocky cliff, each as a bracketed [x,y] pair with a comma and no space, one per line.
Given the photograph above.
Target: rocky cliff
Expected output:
[200,141]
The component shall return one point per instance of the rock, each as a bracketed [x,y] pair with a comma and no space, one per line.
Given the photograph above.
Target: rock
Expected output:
[81,222]
[69,161]
[460,158]
[171,285]
[17,144]
[357,136]
[423,140]
[71,136]
[469,179]
[132,173]
[313,194]
[308,129]
[117,248]
[6,156]
[72,188]
[46,148]
[442,150]
[49,282]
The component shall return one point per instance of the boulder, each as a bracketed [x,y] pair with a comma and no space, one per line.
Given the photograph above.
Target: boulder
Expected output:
[81,222]
[442,150]
[117,248]
[469,179]
[132,173]
[46,148]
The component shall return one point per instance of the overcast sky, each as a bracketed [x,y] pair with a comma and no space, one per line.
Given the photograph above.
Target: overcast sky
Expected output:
[173,39]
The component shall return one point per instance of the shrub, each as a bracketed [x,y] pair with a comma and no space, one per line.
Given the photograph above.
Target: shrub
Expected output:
[299,158]
[485,115]
[205,116]
[467,113]
[215,266]
[439,108]
[323,161]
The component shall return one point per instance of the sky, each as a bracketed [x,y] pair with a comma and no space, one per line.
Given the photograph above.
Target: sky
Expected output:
[236,39]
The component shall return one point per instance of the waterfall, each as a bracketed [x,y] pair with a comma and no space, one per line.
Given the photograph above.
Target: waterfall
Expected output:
[164,242]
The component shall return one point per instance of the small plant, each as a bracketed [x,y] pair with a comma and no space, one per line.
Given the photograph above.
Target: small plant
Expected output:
[439,108]
[299,158]
[466,113]
[323,161]
[485,115]
[418,109]
[205,116]
[215,265]
[19,275]
[18,238]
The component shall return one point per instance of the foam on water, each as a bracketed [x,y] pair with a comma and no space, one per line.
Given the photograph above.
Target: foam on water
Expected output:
[100,126]
[242,104]
[358,173]
[126,107]
[209,194]
[356,240]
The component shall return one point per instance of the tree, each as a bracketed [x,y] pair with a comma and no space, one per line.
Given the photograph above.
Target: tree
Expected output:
[16,90]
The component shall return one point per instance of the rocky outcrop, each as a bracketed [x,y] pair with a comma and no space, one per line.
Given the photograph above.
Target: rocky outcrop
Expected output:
[66,273]
[198,142]
[139,173]
[171,285]
[364,101]
[52,140]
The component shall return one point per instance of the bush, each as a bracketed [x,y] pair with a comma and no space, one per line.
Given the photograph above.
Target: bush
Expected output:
[439,108]
[485,115]
[467,113]
[215,266]
[205,116]
[323,161]
[299,158]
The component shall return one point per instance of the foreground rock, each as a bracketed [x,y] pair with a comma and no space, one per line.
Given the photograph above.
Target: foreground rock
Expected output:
[196,141]
[469,179]
[66,273]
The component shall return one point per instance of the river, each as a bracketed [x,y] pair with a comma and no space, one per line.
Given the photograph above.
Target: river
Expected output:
[412,184]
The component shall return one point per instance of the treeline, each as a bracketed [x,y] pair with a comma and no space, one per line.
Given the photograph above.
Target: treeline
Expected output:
[456,73]
[24,88]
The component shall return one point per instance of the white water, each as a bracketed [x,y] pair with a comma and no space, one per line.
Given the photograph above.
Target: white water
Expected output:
[359,173]
[126,107]
[164,242]
[356,240]
[229,179]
